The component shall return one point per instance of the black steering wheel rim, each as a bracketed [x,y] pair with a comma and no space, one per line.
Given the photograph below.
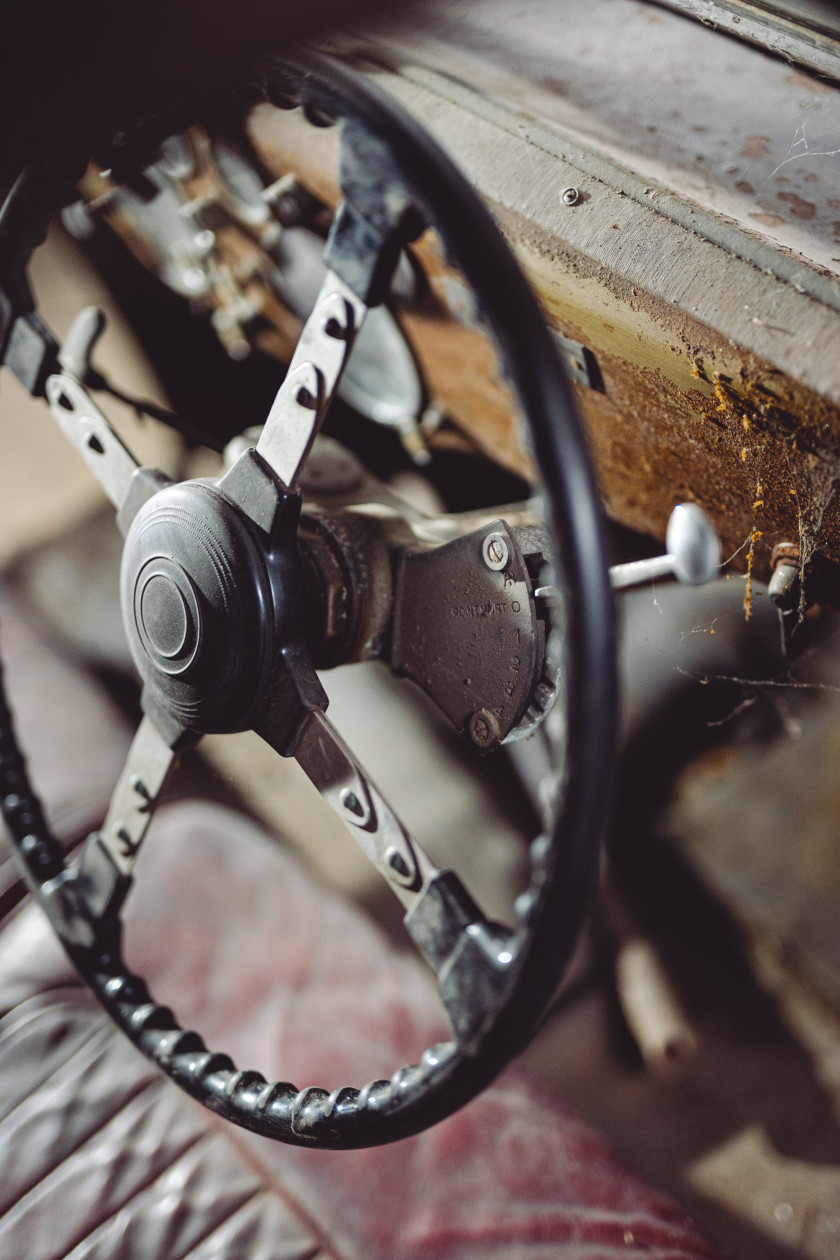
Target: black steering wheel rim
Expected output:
[565,865]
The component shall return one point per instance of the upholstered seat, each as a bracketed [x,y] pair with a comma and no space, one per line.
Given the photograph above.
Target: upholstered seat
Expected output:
[102,1157]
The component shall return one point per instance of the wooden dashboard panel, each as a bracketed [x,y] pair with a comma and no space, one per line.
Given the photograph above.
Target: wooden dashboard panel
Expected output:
[713,320]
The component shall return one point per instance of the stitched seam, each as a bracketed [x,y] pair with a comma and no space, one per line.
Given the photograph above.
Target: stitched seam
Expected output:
[268,1183]
[312,1253]
[262,1190]
[23,1013]
[229,1216]
[84,1045]
[51,1172]
[65,991]
[142,1188]
[275,1187]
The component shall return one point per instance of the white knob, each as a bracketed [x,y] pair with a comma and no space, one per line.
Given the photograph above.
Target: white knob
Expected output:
[693,544]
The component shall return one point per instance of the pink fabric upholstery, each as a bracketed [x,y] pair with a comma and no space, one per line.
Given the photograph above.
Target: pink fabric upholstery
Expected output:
[107,1159]
[103,1159]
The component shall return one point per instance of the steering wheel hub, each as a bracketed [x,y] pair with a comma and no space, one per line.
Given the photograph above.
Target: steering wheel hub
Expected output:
[214,605]
[198,604]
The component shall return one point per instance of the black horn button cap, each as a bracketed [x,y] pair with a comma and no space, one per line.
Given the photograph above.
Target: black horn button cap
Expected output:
[167,615]
[197,603]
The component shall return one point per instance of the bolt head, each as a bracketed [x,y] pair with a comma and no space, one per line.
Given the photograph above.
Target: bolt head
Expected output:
[204,241]
[495,551]
[484,728]
[570,196]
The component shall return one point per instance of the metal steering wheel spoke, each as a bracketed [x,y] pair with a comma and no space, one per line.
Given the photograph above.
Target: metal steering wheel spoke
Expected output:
[135,798]
[80,420]
[106,867]
[116,469]
[470,957]
[313,377]
[350,792]
[223,606]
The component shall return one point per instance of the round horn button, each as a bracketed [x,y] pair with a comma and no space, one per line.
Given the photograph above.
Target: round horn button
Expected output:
[166,613]
[165,617]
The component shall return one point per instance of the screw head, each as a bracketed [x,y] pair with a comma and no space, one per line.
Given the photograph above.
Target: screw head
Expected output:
[495,551]
[285,209]
[204,241]
[570,196]
[483,728]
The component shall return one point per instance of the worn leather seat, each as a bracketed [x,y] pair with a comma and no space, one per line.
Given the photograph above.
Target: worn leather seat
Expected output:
[102,1157]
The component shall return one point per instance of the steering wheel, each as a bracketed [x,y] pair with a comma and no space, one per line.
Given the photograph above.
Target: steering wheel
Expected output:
[224,608]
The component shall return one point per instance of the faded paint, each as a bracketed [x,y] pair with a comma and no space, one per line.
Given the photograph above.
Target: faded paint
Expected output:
[718,121]
[690,411]
[799,207]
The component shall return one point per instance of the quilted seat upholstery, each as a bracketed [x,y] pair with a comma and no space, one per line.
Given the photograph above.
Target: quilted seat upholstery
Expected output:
[104,1158]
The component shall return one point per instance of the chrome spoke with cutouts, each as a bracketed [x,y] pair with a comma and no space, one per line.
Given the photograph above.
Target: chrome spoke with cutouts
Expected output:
[150,760]
[314,374]
[349,790]
[106,866]
[80,420]
[125,483]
